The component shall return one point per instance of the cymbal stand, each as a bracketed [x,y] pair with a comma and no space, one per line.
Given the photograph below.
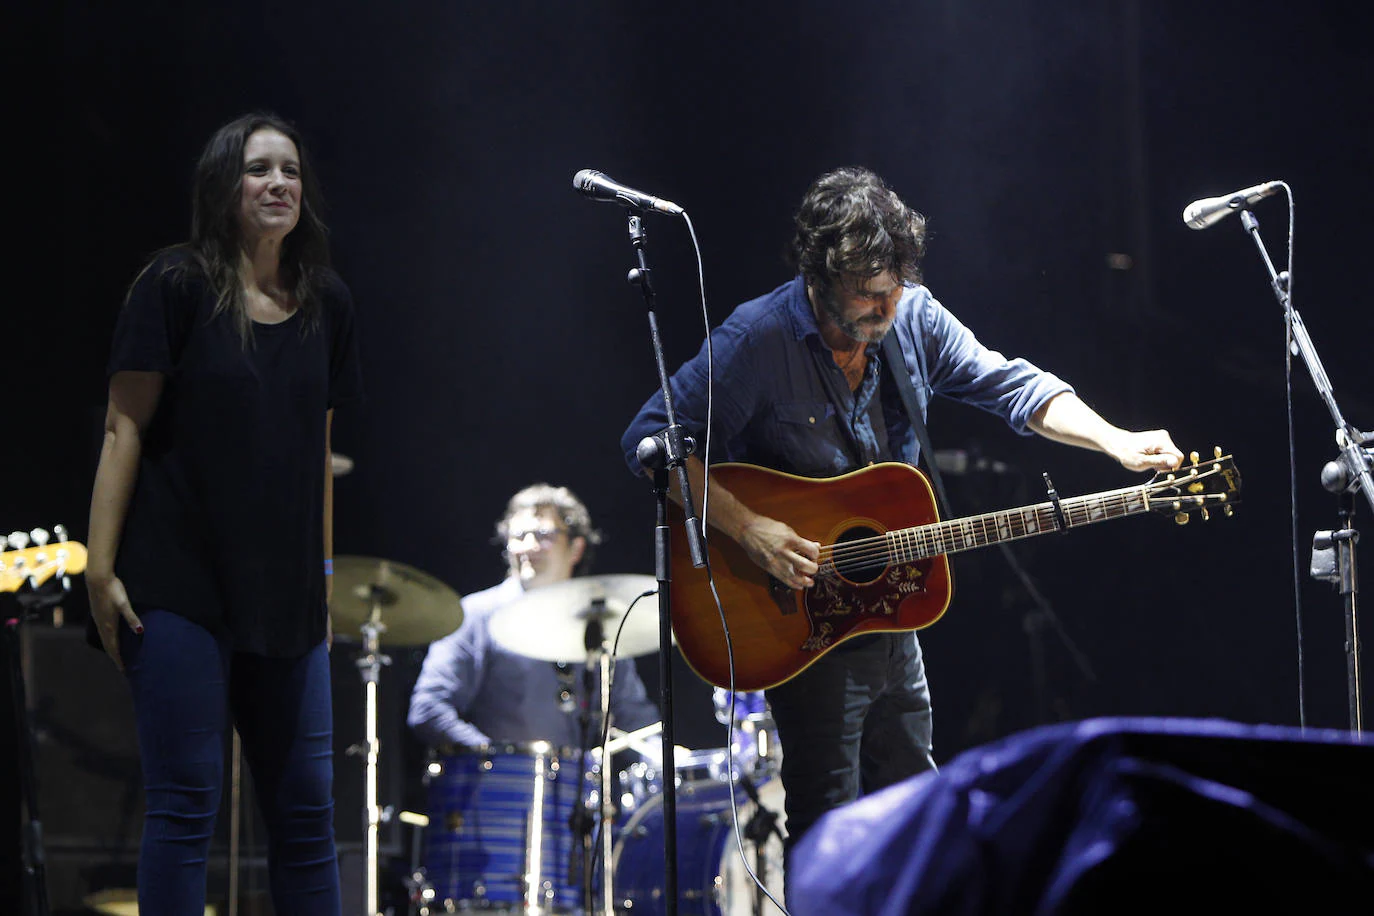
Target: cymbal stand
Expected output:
[598,657]
[582,821]
[607,811]
[370,663]
[761,827]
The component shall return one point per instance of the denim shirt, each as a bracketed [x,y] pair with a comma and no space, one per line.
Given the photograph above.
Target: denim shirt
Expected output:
[471,691]
[781,402]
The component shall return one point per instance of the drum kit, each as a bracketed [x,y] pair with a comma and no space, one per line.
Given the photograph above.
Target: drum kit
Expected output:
[534,828]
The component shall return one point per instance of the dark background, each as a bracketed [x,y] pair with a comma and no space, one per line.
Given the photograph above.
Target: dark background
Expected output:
[1052,147]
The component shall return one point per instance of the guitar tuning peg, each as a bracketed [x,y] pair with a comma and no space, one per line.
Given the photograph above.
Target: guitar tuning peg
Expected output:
[1205,516]
[40,537]
[1181,518]
[18,540]
[1216,451]
[1193,457]
[60,531]
[1229,511]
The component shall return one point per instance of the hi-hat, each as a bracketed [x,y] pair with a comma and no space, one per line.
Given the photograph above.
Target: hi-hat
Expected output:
[413,607]
[550,622]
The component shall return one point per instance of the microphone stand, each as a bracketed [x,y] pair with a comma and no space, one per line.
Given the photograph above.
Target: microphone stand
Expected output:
[660,454]
[1352,471]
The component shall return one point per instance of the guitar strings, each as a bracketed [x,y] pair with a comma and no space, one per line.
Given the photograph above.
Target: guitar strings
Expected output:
[921,542]
[908,544]
[951,536]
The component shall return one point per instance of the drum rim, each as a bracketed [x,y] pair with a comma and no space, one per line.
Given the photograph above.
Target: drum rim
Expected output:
[525,748]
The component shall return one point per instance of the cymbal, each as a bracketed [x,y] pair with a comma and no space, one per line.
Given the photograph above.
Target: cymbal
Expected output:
[341,464]
[119,901]
[413,607]
[550,622]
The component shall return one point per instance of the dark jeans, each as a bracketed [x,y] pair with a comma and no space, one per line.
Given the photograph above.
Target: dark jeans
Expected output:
[856,721]
[186,685]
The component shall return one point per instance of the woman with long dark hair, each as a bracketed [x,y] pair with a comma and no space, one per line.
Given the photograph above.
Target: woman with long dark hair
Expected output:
[210,532]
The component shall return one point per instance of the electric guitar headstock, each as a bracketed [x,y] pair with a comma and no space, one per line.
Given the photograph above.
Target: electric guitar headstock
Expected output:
[32,558]
[1197,486]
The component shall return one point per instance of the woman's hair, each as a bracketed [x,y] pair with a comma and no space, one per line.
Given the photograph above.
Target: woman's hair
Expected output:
[851,222]
[217,236]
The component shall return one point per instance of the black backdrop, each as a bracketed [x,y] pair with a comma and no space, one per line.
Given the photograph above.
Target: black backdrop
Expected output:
[1051,148]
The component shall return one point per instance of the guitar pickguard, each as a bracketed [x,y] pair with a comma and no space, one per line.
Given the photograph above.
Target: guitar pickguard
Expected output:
[835,607]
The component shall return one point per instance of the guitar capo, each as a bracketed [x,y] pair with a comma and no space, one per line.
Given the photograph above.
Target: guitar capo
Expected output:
[1054,503]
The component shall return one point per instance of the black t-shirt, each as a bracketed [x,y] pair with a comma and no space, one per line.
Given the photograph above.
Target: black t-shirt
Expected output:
[226,522]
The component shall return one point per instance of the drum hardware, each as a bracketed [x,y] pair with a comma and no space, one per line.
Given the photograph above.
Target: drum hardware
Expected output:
[567,622]
[418,610]
[761,826]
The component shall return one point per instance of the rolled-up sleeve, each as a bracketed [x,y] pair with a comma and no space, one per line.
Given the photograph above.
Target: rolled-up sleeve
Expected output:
[447,683]
[963,369]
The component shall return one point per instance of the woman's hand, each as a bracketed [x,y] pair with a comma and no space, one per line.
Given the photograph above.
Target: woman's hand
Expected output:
[110,603]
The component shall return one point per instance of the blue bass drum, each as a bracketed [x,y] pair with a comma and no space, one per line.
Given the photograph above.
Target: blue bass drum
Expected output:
[711,878]
[500,836]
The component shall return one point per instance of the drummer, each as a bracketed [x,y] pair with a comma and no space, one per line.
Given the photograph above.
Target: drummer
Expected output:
[472,691]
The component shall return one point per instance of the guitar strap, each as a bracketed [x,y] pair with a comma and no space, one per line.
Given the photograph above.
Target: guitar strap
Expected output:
[901,375]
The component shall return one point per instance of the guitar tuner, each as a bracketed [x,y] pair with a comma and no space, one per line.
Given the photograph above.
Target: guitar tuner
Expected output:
[39,536]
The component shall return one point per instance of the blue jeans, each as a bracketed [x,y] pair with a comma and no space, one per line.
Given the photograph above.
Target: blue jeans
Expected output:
[186,685]
[856,721]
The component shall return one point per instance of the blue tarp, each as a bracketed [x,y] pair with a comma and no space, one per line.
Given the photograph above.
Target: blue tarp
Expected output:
[1109,816]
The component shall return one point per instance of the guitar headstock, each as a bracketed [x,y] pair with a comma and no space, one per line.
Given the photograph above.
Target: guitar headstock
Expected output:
[1201,487]
[33,558]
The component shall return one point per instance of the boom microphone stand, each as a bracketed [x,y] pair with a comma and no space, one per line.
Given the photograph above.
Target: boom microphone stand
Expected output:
[1351,471]
[660,454]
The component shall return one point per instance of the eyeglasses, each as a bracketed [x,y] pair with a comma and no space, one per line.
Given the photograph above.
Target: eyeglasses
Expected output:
[545,536]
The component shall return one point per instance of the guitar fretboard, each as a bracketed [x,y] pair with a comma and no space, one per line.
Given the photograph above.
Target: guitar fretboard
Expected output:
[908,544]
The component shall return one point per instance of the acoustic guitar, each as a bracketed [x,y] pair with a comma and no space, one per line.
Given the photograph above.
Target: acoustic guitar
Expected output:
[883,561]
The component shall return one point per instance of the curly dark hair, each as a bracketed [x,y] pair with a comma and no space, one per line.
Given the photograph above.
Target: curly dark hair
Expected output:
[217,237]
[562,501]
[851,222]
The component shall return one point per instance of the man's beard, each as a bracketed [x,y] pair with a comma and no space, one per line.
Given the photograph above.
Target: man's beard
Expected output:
[865,330]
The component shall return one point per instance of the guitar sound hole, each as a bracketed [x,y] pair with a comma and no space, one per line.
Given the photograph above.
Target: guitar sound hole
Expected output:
[861,564]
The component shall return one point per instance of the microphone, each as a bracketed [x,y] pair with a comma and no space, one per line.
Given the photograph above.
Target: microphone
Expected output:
[598,186]
[957,461]
[1202,213]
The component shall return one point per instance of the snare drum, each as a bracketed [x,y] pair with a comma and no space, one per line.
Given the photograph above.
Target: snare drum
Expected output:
[500,835]
[711,879]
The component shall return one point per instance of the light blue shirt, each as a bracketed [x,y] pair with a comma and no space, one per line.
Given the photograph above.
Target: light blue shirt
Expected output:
[472,691]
